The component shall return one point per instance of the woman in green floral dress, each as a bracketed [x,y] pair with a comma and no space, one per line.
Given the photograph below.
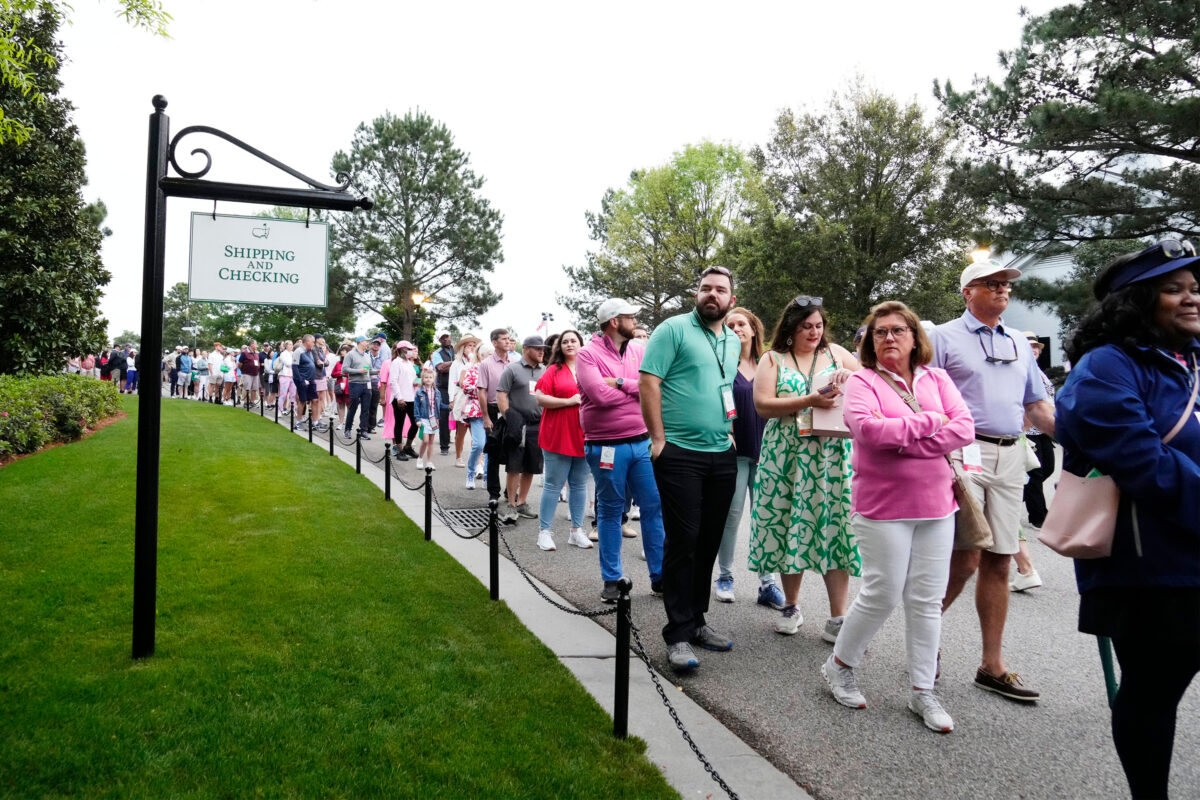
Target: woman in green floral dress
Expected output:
[802,487]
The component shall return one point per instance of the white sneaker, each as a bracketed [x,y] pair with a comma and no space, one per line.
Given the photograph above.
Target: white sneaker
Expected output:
[579,539]
[833,626]
[430,464]
[843,684]
[635,512]
[1022,581]
[545,540]
[420,464]
[470,481]
[479,472]
[458,462]
[789,621]
[929,709]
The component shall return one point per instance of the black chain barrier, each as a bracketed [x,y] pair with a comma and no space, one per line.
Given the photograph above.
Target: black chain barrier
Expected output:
[640,652]
[600,612]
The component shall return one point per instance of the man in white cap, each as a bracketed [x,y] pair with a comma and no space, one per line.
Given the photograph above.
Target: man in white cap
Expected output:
[997,375]
[617,442]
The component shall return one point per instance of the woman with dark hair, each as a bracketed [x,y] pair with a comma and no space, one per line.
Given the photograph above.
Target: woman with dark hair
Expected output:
[1128,410]
[906,418]
[801,517]
[561,439]
[747,437]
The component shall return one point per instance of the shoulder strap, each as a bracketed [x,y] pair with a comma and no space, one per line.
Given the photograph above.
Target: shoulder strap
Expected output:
[1191,403]
[907,397]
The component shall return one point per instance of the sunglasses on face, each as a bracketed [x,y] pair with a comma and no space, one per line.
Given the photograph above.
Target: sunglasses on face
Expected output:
[993,285]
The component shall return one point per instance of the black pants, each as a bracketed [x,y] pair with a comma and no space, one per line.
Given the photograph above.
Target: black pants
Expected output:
[373,409]
[444,426]
[1154,676]
[696,490]
[1035,495]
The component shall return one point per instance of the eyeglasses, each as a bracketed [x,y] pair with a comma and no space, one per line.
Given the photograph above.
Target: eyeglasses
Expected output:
[805,300]
[993,285]
[993,358]
[718,270]
[896,331]
[1176,248]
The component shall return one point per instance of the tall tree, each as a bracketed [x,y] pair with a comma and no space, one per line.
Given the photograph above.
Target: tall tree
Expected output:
[431,231]
[23,56]
[857,210]
[50,267]
[660,231]
[1092,134]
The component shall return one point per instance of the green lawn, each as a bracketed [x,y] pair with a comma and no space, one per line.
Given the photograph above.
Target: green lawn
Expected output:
[310,643]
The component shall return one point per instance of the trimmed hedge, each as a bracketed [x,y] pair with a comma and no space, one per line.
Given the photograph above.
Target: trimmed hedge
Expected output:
[51,408]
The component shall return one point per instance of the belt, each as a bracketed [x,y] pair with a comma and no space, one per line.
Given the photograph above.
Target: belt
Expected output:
[1002,441]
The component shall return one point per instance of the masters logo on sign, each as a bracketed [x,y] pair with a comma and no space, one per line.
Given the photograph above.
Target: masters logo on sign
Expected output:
[258,260]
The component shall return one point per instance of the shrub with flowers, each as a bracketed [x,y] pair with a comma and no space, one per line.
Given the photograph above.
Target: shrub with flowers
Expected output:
[50,408]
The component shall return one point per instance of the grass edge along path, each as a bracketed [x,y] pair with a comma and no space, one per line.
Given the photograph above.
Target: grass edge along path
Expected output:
[309,641]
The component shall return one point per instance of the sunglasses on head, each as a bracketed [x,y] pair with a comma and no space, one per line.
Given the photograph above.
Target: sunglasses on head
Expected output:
[1176,248]
[804,300]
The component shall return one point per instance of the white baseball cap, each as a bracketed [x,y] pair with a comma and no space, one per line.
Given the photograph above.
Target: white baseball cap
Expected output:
[991,268]
[614,308]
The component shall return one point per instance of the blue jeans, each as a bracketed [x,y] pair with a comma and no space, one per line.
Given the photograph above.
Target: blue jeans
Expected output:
[743,487]
[478,437]
[631,464]
[560,469]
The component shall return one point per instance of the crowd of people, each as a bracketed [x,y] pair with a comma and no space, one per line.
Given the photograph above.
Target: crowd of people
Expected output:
[686,427]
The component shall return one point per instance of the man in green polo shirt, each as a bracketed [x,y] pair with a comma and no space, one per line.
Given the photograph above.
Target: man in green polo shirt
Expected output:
[686,388]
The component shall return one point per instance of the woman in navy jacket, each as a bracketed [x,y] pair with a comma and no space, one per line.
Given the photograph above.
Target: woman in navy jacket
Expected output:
[1135,359]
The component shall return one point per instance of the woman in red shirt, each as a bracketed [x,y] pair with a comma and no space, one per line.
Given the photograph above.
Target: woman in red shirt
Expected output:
[561,440]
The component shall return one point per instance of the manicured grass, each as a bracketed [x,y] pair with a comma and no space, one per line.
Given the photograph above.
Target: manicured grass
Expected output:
[309,642]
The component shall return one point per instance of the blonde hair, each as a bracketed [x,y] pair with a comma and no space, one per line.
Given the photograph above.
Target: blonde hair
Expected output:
[430,372]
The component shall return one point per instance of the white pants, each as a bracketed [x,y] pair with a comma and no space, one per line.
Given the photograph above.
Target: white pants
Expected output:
[902,560]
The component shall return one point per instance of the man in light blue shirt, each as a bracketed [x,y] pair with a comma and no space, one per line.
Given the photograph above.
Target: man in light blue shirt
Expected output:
[997,375]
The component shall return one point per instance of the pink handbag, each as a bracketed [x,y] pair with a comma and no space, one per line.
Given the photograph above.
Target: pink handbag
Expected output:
[1083,515]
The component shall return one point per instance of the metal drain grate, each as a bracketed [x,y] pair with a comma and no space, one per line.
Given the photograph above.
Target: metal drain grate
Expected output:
[470,519]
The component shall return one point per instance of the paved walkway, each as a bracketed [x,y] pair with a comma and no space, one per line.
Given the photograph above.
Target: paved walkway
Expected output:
[769,698]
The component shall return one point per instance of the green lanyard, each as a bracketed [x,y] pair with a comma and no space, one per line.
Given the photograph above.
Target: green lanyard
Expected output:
[713,344]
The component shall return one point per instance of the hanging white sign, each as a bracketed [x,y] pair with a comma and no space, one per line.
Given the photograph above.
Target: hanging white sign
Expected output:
[258,260]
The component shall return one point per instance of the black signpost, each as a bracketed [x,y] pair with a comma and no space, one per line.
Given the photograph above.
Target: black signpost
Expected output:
[160,186]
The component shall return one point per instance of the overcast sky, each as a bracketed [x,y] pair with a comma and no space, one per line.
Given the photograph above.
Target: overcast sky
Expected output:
[553,102]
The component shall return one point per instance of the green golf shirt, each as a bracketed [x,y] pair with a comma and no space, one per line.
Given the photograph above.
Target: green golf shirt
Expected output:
[689,359]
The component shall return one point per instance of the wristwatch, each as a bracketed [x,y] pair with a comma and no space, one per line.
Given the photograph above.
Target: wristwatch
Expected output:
[620,382]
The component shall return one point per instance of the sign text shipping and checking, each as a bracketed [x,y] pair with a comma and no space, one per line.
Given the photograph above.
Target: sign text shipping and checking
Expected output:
[258,260]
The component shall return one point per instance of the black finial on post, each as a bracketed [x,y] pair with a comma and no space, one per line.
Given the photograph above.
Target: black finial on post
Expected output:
[160,103]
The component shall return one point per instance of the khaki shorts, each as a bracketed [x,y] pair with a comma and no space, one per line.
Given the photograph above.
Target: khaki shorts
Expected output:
[1000,490]
[249,382]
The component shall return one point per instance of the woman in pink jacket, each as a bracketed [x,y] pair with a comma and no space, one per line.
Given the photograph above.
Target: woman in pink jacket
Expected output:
[902,508]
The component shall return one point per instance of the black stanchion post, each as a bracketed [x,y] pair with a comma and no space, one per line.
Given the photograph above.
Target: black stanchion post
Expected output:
[621,699]
[277,412]
[494,549]
[387,472]
[331,427]
[310,427]
[262,404]
[358,455]
[429,504]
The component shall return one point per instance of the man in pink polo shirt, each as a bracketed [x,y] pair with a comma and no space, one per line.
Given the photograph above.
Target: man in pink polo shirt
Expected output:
[616,442]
